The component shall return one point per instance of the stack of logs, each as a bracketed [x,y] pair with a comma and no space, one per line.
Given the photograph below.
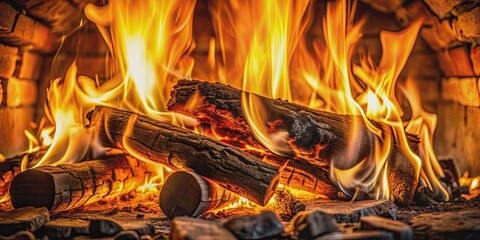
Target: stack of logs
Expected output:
[214,171]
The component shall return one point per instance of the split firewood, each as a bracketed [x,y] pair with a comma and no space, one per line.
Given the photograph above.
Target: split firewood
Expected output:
[11,166]
[316,137]
[311,224]
[68,186]
[23,219]
[180,148]
[186,193]
[400,230]
[64,228]
[185,228]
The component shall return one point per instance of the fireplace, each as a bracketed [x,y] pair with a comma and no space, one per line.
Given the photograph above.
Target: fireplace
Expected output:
[240,119]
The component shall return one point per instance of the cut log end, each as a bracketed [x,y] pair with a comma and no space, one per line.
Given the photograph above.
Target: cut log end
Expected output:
[188,194]
[33,188]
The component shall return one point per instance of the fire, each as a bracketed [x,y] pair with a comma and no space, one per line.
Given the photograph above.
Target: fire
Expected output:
[266,48]
[150,42]
[263,50]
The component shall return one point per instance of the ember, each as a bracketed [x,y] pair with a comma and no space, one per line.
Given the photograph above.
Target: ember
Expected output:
[297,127]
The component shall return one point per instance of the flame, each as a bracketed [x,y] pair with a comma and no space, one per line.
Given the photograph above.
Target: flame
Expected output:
[264,45]
[150,42]
[423,125]
[472,183]
[263,50]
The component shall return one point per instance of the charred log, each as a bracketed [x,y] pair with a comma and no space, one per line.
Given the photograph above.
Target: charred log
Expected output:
[68,186]
[11,167]
[316,137]
[189,194]
[180,148]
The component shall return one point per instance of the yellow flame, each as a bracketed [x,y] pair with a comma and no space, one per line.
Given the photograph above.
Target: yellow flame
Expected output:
[423,125]
[150,42]
[472,183]
[264,51]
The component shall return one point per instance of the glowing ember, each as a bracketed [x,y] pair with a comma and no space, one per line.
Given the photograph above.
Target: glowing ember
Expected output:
[263,50]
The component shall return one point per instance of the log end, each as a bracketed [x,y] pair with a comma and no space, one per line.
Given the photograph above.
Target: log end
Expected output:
[32,188]
[181,195]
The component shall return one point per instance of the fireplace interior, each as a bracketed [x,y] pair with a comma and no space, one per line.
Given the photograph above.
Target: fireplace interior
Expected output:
[211,119]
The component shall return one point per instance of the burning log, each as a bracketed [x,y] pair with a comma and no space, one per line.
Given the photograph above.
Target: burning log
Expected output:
[68,186]
[189,194]
[317,138]
[179,148]
[11,167]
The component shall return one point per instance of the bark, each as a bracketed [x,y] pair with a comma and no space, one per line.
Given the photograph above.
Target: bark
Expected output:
[68,186]
[316,138]
[180,148]
[186,193]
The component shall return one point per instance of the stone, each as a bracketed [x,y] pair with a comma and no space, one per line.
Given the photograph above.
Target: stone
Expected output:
[311,224]
[370,235]
[350,212]
[27,218]
[455,62]
[127,235]
[22,235]
[447,225]
[259,226]
[66,228]
[400,230]
[104,227]
[466,25]
[140,227]
[184,228]
[439,36]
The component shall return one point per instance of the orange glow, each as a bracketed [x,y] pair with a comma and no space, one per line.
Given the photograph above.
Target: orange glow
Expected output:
[423,125]
[150,42]
[263,50]
[473,183]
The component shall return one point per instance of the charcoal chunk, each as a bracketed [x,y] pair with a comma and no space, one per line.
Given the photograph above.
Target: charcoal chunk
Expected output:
[311,224]
[258,226]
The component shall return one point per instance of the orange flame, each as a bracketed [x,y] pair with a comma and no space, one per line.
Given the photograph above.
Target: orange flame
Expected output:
[150,42]
[264,51]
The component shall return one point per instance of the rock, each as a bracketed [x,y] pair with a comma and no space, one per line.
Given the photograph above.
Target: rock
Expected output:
[66,228]
[350,212]
[400,230]
[104,227]
[370,235]
[127,235]
[27,218]
[140,227]
[259,226]
[311,224]
[184,228]
[22,235]
[447,225]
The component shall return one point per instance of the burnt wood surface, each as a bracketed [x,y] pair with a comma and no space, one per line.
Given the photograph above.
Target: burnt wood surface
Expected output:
[186,193]
[180,148]
[316,137]
[26,219]
[191,228]
[68,186]
[11,166]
